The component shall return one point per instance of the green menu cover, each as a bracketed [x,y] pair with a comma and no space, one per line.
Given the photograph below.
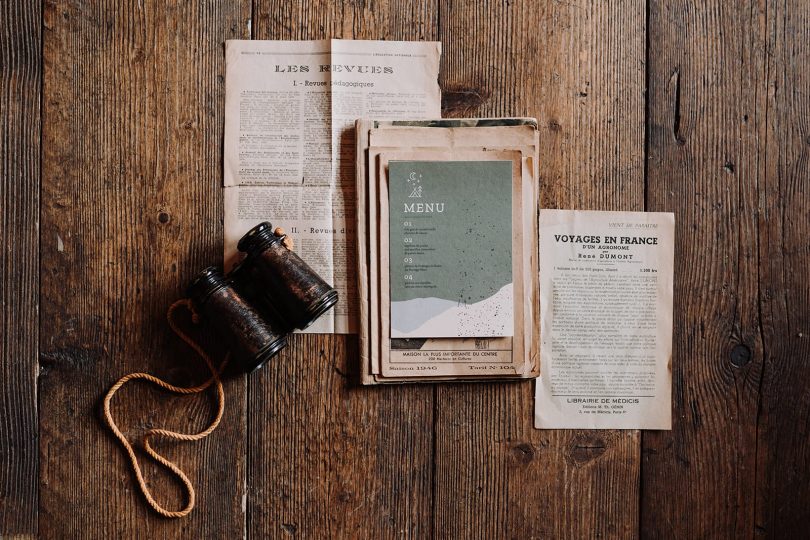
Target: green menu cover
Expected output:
[450,249]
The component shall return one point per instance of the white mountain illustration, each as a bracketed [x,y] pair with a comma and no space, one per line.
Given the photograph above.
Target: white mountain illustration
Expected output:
[436,317]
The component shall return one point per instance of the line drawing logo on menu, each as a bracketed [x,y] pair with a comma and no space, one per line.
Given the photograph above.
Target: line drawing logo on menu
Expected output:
[415,181]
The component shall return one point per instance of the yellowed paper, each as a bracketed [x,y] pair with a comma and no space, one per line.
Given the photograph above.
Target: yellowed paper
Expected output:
[606,320]
[458,135]
[289,158]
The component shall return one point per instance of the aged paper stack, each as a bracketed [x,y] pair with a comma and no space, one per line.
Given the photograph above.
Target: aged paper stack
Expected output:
[447,244]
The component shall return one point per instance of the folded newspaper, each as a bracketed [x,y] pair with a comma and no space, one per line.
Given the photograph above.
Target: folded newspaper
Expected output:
[290,108]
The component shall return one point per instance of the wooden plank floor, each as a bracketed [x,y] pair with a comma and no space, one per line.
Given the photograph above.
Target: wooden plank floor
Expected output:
[111,121]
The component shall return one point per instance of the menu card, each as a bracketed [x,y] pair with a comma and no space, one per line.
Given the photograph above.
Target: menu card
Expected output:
[450,245]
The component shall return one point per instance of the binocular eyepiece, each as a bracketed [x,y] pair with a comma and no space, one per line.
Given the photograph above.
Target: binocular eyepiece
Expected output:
[265,297]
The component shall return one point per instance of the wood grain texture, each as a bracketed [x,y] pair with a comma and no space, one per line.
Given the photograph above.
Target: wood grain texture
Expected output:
[131,209]
[783,422]
[707,161]
[579,69]
[326,458]
[20,85]
[131,129]
[330,460]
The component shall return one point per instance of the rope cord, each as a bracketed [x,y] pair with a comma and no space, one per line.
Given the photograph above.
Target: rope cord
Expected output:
[165,432]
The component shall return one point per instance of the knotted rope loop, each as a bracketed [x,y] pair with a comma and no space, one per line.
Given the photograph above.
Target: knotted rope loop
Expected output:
[156,432]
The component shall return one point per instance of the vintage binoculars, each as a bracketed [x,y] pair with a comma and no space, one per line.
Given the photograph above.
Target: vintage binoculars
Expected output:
[270,293]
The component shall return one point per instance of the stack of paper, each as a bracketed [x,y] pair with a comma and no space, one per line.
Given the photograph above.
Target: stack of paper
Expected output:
[447,244]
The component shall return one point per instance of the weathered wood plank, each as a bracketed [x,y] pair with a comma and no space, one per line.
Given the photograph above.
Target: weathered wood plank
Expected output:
[708,124]
[131,209]
[20,85]
[326,458]
[783,427]
[579,68]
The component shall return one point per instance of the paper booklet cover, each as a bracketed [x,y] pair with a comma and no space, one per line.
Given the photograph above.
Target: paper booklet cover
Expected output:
[447,249]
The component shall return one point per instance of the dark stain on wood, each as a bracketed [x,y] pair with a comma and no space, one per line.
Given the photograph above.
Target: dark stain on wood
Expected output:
[75,358]
[676,107]
[740,355]
[585,448]
[462,102]
[524,452]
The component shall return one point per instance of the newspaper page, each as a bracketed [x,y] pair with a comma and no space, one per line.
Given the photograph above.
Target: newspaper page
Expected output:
[606,320]
[290,108]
